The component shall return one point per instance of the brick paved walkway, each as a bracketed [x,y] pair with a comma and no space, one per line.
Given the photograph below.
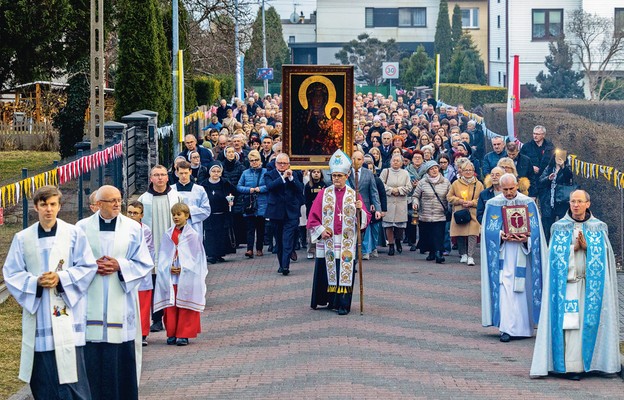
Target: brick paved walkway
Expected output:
[420,337]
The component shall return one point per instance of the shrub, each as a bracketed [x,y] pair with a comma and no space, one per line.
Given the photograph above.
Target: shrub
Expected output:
[472,95]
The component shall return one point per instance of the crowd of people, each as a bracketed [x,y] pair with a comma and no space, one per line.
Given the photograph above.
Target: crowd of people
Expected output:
[418,175]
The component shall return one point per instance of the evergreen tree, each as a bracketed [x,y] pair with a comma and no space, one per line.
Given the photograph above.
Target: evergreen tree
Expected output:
[560,81]
[456,28]
[466,64]
[70,121]
[367,55]
[276,49]
[442,43]
[418,69]
[140,82]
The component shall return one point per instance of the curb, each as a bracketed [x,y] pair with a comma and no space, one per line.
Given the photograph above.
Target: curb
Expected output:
[23,394]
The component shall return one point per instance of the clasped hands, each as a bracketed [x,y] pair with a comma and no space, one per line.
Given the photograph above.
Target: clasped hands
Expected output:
[580,243]
[176,270]
[107,265]
[515,237]
[48,279]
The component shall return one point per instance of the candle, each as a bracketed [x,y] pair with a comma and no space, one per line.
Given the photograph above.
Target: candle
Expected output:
[230,199]
[464,195]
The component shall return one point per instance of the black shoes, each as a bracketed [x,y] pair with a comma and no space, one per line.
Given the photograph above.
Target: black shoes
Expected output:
[439,259]
[171,340]
[413,248]
[293,256]
[431,256]
[285,271]
[280,270]
[180,342]
[391,250]
[399,246]
[342,311]
[505,338]
[156,327]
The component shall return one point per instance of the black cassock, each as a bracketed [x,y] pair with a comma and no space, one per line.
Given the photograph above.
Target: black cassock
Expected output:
[218,226]
[320,296]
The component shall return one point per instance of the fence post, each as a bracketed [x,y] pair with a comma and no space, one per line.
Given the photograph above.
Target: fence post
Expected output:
[115,165]
[80,189]
[100,170]
[24,201]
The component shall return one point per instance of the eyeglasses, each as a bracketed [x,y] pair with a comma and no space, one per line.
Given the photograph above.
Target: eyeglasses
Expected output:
[442,162]
[574,202]
[159,175]
[254,159]
[112,201]
[468,170]
[282,163]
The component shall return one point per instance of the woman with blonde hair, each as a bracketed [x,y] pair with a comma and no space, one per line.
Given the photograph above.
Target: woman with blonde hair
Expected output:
[377,159]
[464,196]
[509,166]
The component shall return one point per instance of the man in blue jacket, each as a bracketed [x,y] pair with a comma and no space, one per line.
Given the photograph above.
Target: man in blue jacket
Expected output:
[283,208]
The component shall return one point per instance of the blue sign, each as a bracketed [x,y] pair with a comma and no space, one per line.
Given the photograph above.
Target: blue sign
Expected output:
[264,73]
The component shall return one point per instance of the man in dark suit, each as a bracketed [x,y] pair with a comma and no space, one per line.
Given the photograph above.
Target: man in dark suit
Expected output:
[284,208]
[523,163]
[191,145]
[385,148]
[367,187]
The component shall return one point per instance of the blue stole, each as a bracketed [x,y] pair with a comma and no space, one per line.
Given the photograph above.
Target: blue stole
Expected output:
[493,221]
[596,259]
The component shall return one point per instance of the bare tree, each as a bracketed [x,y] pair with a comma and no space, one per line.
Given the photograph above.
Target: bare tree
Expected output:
[598,49]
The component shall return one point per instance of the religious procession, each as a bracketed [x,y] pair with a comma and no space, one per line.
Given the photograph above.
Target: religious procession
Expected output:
[417,180]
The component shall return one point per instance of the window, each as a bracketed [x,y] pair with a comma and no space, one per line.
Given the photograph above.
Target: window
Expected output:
[498,21]
[395,17]
[619,21]
[498,53]
[499,77]
[412,17]
[470,18]
[547,24]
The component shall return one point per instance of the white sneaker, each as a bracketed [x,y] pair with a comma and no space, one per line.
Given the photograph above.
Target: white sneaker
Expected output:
[464,258]
[310,256]
[375,253]
[365,256]
[471,261]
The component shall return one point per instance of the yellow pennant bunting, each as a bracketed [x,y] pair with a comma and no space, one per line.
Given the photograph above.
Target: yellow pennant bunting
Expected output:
[595,171]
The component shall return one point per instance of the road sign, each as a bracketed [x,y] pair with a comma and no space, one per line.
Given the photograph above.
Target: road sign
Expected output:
[264,73]
[390,70]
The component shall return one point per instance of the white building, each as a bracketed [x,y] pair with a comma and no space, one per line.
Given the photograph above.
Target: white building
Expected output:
[525,28]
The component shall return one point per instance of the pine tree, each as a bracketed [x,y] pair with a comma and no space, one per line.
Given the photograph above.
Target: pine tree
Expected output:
[561,81]
[442,43]
[466,64]
[456,28]
[276,49]
[418,69]
[140,78]
[367,54]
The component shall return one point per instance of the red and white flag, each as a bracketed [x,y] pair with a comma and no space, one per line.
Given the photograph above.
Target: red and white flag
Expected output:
[513,97]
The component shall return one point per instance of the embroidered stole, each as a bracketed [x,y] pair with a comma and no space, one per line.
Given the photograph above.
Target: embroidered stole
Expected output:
[115,294]
[62,318]
[344,282]
[562,303]
[493,221]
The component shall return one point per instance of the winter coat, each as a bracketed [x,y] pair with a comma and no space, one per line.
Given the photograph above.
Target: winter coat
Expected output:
[430,209]
[397,205]
[454,197]
[252,178]
[232,171]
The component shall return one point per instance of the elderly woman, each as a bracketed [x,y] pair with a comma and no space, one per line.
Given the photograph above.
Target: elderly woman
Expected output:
[199,173]
[398,186]
[254,196]
[509,166]
[464,195]
[218,236]
[428,151]
[429,200]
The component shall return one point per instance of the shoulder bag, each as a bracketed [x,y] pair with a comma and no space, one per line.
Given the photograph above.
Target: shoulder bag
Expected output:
[462,217]
[447,213]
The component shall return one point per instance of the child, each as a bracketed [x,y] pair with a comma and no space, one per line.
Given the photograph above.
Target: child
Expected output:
[181,264]
[135,212]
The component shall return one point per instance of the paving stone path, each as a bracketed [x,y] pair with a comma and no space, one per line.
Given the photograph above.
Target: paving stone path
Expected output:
[420,337]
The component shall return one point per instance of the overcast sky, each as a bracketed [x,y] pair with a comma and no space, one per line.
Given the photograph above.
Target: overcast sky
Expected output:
[285,7]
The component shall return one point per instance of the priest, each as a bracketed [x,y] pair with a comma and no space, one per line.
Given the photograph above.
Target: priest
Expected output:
[48,270]
[511,266]
[333,228]
[579,329]
[113,349]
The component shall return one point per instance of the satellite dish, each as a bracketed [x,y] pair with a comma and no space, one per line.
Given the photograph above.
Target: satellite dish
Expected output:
[294,18]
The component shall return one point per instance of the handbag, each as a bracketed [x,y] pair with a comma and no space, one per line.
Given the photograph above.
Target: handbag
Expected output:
[462,217]
[447,213]
[252,207]
[563,192]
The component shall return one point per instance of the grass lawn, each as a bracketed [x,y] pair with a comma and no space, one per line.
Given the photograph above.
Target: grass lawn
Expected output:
[12,162]
[10,347]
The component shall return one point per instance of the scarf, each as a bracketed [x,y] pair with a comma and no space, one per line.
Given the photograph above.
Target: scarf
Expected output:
[434,180]
[468,181]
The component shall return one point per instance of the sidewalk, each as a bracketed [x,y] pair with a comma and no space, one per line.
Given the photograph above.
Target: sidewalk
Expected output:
[420,337]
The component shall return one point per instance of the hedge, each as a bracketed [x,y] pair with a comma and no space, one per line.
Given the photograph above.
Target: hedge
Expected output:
[471,95]
[207,90]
